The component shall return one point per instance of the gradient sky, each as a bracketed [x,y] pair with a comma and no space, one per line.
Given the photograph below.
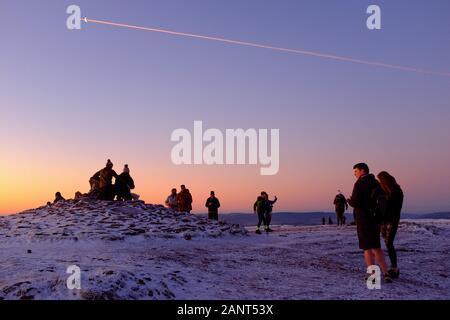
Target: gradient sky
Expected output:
[69,100]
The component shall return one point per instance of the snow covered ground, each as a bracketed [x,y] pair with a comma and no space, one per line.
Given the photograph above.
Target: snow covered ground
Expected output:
[138,251]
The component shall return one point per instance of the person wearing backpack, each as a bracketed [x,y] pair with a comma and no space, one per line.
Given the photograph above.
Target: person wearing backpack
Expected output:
[367,226]
[340,205]
[260,209]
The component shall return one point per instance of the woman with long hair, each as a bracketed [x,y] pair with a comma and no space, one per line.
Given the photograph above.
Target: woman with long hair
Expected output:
[390,216]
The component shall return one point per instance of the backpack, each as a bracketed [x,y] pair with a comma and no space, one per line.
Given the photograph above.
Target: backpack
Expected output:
[260,206]
[339,202]
[377,203]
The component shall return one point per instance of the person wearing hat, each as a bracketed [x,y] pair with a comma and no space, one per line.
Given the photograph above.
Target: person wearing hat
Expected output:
[213,205]
[104,178]
[124,185]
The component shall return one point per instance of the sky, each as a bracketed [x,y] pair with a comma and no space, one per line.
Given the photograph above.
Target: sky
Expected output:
[71,99]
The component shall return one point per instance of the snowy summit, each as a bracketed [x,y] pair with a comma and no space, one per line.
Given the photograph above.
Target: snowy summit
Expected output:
[133,250]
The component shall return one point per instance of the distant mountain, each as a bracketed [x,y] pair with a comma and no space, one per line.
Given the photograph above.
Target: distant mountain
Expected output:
[284,218]
[435,215]
[312,218]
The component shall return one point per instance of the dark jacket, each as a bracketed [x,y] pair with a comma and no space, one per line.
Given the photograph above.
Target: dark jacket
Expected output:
[340,203]
[213,204]
[104,177]
[184,200]
[259,206]
[125,181]
[362,199]
[268,204]
[390,207]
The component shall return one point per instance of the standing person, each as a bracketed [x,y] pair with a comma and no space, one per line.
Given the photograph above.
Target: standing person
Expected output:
[340,205]
[259,207]
[184,200]
[124,184]
[390,216]
[367,227]
[171,201]
[268,206]
[104,178]
[213,205]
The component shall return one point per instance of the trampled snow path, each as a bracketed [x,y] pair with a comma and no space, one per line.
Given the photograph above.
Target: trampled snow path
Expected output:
[138,251]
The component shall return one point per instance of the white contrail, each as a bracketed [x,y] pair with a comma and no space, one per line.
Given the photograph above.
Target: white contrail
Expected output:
[257,45]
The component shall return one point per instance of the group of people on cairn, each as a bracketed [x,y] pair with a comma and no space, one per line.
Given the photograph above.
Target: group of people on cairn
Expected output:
[102,187]
[377,204]
[182,202]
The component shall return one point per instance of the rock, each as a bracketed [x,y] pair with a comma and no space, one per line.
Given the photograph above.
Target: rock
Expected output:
[214,233]
[110,221]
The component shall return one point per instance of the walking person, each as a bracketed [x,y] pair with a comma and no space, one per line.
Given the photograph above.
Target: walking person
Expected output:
[268,207]
[368,229]
[184,200]
[171,201]
[259,207]
[390,216]
[213,205]
[340,205]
